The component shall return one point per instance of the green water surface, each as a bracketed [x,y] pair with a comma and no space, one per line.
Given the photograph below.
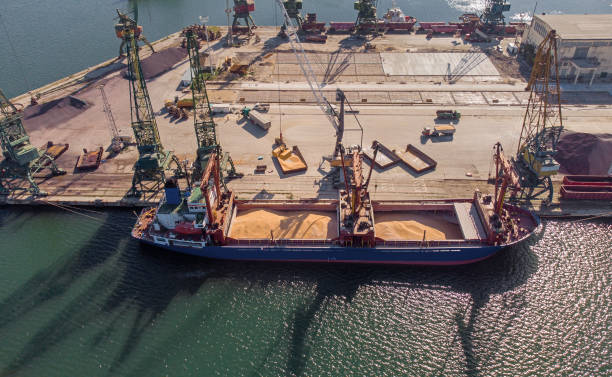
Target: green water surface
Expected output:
[78,297]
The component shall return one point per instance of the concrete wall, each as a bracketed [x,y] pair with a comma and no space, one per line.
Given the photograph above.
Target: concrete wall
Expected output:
[597,49]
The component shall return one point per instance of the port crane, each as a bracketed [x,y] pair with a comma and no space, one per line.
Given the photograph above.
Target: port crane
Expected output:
[204,124]
[21,160]
[126,23]
[542,124]
[293,8]
[242,11]
[153,161]
[366,14]
[528,174]
[493,13]
[116,141]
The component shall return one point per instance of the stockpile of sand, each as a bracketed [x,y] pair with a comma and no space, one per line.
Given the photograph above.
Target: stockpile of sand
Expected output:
[257,223]
[291,163]
[409,226]
[53,113]
[583,153]
[162,61]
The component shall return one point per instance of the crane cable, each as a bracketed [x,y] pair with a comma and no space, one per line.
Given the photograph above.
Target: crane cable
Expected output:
[280,112]
[68,208]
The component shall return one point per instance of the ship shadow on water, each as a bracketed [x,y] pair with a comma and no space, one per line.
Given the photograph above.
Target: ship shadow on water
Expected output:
[502,274]
[116,276]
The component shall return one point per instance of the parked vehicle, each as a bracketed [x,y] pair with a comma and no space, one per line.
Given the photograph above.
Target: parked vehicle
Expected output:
[443,130]
[448,114]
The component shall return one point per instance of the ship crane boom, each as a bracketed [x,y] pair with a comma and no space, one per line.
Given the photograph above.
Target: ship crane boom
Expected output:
[296,45]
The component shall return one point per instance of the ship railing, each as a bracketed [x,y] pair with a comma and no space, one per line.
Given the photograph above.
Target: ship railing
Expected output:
[428,244]
[279,242]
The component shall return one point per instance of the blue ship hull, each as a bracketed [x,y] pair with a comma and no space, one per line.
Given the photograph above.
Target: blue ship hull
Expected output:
[337,254]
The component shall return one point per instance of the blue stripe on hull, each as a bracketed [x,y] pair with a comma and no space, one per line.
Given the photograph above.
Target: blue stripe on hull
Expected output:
[437,256]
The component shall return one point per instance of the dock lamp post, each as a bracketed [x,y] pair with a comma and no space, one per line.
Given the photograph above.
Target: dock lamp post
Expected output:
[228,11]
[204,20]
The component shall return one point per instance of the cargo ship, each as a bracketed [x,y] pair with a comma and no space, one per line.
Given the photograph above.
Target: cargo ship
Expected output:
[209,221]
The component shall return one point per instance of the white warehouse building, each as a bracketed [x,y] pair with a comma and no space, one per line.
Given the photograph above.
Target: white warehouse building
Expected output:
[585,44]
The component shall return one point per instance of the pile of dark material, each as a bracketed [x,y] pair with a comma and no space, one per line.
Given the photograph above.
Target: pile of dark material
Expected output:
[583,153]
[53,113]
[160,62]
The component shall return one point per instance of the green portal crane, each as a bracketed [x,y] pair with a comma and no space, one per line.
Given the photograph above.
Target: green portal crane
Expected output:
[366,13]
[493,13]
[153,161]
[21,160]
[203,121]
[293,8]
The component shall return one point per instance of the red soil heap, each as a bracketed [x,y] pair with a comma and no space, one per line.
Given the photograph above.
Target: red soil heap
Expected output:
[583,153]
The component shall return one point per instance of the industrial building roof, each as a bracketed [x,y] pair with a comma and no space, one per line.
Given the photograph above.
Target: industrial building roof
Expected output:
[580,26]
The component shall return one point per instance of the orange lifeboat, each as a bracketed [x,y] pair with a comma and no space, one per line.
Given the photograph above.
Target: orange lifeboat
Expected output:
[187,228]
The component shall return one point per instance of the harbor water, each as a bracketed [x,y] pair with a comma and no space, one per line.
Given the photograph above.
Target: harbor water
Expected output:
[54,39]
[78,297]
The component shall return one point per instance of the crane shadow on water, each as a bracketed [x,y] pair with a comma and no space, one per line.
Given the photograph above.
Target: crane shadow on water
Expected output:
[333,284]
[104,281]
[113,282]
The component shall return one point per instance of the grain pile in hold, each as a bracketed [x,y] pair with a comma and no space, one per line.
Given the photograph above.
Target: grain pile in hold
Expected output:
[584,153]
[266,223]
[409,226]
[161,61]
[53,113]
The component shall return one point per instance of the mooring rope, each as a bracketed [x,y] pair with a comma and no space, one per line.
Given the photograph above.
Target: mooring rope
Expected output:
[73,211]
[593,217]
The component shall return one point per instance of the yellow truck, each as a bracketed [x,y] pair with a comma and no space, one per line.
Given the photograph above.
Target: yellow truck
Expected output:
[443,130]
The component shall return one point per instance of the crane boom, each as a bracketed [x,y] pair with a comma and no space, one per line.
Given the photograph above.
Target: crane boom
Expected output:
[296,45]
[109,114]
[153,161]
[143,120]
[203,122]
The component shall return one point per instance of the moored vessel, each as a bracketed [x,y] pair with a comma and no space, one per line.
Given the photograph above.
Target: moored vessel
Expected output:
[209,221]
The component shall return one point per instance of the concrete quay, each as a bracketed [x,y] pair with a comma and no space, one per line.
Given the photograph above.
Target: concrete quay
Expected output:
[398,104]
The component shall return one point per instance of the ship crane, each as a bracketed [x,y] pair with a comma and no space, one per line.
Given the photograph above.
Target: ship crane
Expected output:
[356,218]
[204,124]
[506,178]
[542,124]
[153,161]
[21,160]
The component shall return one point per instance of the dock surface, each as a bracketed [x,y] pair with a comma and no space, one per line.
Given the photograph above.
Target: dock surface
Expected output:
[394,100]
